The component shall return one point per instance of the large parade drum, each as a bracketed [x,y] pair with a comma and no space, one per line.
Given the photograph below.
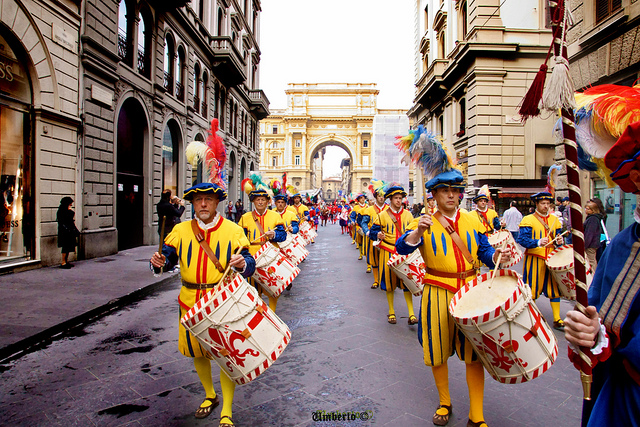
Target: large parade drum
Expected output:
[409,268]
[293,249]
[505,327]
[560,263]
[308,230]
[504,238]
[274,271]
[237,329]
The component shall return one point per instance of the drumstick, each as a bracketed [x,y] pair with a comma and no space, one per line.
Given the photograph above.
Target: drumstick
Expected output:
[159,270]
[258,238]
[493,274]
[548,244]
[229,265]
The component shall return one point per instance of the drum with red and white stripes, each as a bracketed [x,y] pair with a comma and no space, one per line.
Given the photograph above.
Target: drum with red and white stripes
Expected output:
[409,268]
[237,329]
[560,264]
[274,271]
[293,249]
[505,327]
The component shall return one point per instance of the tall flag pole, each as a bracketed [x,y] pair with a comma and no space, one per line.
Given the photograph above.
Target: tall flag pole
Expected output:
[559,96]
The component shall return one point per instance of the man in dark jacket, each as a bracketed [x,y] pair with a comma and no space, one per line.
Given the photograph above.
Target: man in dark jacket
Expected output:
[171,209]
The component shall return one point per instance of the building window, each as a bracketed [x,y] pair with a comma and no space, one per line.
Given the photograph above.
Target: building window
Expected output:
[365,143]
[203,93]
[274,161]
[463,117]
[169,54]
[440,130]
[180,75]
[274,145]
[297,160]
[298,143]
[144,44]
[275,129]
[125,26]
[606,8]
[365,160]
[196,87]
[220,23]
[201,9]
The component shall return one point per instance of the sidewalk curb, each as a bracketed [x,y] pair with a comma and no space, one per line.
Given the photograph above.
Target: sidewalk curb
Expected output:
[44,338]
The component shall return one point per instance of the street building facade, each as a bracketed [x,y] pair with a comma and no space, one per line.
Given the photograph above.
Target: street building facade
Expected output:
[320,115]
[604,48]
[109,93]
[475,60]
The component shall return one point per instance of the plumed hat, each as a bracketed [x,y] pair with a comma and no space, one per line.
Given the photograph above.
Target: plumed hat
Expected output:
[543,195]
[205,188]
[483,193]
[393,188]
[254,186]
[213,155]
[452,178]
[625,156]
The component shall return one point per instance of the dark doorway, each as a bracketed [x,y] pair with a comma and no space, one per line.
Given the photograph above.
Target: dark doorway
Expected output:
[132,131]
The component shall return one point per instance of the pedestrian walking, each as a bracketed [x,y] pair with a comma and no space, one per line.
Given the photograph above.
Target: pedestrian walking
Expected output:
[593,229]
[511,219]
[239,210]
[171,209]
[231,211]
[67,231]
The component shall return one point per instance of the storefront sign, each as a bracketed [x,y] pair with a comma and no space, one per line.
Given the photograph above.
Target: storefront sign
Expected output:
[63,37]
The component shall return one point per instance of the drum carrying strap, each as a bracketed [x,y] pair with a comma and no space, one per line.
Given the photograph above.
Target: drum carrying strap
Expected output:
[205,246]
[544,224]
[260,229]
[454,237]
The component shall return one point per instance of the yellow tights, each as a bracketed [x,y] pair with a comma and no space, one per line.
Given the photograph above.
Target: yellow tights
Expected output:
[228,386]
[555,308]
[272,303]
[407,297]
[475,383]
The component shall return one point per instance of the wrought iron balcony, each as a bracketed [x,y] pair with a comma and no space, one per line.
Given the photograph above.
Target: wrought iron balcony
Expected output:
[196,104]
[142,68]
[179,91]
[168,82]
[122,45]
[259,103]
[204,109]
[227,61]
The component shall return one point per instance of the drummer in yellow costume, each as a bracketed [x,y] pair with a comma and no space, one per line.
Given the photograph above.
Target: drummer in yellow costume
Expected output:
[387,227]
[448,267]
[431,207]
[200,274]
[487,216]
[356,216]
[261,225]
[300,210]
[368,215]
[537,230]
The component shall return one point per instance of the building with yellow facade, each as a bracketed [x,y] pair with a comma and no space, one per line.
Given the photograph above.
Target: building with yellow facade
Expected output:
[320,115]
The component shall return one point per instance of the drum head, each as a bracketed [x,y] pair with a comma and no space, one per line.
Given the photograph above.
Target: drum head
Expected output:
[485,296]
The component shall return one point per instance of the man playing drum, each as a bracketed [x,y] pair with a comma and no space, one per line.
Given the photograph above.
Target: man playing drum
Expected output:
[488,217]
[453,247]
[431,207]
[537,231]
[200,272]
[261,225]
[387,227]
[356,217]
[299,209]
[368,215]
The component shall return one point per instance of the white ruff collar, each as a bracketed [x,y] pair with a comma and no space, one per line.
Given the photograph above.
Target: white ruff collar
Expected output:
[209,225]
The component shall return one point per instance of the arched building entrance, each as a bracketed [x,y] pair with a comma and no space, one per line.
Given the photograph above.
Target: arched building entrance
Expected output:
[132,138]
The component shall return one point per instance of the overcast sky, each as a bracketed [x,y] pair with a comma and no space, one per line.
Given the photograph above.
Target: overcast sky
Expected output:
[341,41]
[338,41]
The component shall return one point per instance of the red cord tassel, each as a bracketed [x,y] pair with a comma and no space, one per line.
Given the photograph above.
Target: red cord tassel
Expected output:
[531,101]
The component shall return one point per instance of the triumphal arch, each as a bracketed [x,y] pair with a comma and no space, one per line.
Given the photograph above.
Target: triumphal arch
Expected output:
[319,115]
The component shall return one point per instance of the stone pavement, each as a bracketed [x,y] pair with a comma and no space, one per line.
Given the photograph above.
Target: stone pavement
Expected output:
[42,303]
[125,368]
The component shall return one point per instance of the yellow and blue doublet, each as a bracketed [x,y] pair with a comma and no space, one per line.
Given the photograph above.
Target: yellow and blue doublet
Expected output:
[535,271]
[368,215]
[301,211]
[437,331]
[290,220]
[489,220]
[393,225]
[224,238]
[269,220]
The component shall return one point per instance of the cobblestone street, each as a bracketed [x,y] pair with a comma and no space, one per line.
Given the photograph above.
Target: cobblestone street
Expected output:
[125,369]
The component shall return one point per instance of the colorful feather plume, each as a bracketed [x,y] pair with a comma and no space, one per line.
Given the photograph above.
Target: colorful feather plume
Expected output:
[254,183]
[484,191]
[284,180]
[552,177]
[426,151]
[212,153]
[376,186]
[390,184]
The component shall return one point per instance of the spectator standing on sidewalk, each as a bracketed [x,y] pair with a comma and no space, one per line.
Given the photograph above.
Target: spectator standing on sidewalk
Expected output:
[169,208]
[511,219]
[67,231]
[593,229]
[231,211]
[566,221]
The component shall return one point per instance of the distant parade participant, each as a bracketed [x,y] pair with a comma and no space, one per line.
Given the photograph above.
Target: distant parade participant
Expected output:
[356,216]
[189,243]
[368,215]
[291,221]
[261,225]
[299,208]
[488,217]
[431,207]
[351,221]
[343,217]
[452,255]
[537,231]
[387,227]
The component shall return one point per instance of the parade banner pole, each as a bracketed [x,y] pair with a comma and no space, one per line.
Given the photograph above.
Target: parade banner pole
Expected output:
[558,10]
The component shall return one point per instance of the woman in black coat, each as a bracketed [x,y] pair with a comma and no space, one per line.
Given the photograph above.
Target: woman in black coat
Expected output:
[593,229]
[170,208]
[67,231]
